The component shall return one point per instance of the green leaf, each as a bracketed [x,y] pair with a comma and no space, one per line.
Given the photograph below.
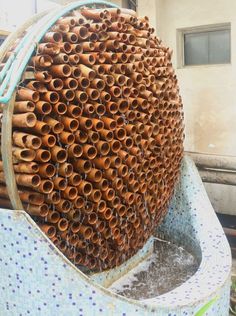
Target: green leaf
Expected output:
[203,310]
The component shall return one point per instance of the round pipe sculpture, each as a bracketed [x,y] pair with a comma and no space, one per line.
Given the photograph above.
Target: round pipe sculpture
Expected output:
[92,135]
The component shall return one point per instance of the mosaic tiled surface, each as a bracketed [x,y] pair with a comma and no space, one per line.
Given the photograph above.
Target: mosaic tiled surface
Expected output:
[36,279]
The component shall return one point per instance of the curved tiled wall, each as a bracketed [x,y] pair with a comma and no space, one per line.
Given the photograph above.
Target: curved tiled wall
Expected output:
[36,279]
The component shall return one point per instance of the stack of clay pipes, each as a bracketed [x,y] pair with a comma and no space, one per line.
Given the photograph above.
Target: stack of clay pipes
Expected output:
[97,135]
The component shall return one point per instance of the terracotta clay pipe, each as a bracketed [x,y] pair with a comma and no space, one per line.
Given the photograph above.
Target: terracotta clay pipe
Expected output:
[67,138]
[81,32]
[53,217]
[81,136]
[93,136]
[70,83]
[59,183]
[24,106]
[51,49]
[85,123]
[109,123]
[74,179]
[63,206]
[55,84]
[62,224]
[117,183]
[75,72]
[49,230]
[87,72]
[74,151]
[48,140]
[82,165]
[67,95]
[83,82]
[43,107]
[69,193]
[74,111]
[102,147]
[45,186]
[105,96]
[25,196]
[26,167]
[50,96]
[89,151]
[24,120]
[97,124]
[99,109]
[102,185]
[26,140]
[84,188]
[41,61]
[66,21]
[110,174]
[102,162]
[24,94]
[94,175]
[70,124]
[58,154]
[41,128]
[106,135]
[65,169]
[43,76]
[115,161]
[59,108]
[47,170]
[42,155]
[93,14]
[112,107]
[79,202]
[115,146]
[61,71]
[23,154]
[37,210]
[53,197]
[95,196]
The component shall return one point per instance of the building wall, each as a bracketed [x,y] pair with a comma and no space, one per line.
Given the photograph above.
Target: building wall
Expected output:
[208,91]
[10,18]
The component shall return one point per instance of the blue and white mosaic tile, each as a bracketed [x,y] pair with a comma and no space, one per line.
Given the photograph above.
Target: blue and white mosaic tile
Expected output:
[36,279]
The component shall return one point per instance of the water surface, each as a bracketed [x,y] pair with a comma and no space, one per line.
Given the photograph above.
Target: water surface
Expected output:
[167,267]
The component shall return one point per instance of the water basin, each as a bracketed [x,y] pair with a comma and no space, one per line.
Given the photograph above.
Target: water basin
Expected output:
[167,267]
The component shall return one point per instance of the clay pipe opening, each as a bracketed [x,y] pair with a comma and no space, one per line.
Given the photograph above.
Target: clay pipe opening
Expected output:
[48,140]
[65,169]
[47,170]
[58,154]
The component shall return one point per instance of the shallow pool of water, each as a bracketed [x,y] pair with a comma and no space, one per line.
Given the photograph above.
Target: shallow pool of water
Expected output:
[165,269]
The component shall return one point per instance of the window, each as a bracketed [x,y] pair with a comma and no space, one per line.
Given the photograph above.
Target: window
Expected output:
[2,38]
[205,45]
[132,4]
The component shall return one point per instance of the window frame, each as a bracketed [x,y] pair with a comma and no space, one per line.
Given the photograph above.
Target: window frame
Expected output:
[198,29]
[132,4]
[3,35]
